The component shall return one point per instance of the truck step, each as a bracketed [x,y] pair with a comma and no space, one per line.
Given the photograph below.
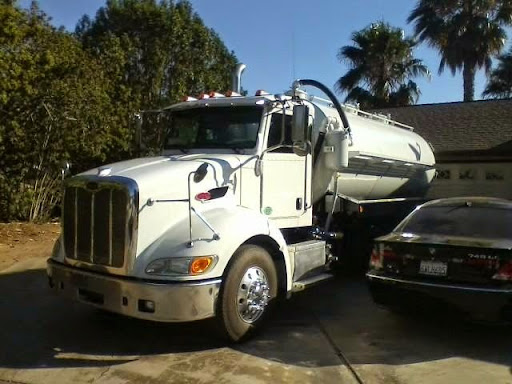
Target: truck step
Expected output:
[303,284]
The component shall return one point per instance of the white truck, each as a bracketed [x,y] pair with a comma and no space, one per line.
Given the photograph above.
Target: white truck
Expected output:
[236,212]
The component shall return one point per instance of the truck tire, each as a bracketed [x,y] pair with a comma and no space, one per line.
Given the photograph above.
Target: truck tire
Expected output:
[249,288]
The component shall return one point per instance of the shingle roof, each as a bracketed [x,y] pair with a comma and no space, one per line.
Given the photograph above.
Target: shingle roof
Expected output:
[462,126]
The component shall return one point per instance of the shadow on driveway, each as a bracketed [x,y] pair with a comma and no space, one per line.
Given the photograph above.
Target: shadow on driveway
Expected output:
[39,329]
[369,334]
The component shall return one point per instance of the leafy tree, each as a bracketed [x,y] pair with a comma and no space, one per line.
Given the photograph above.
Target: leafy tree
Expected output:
[157,53]
[168,51]
[467,33]
[61,102]
[53,107]
[499,85]
[381,67]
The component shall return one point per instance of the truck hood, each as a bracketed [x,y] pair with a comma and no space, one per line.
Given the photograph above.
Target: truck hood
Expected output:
[163,186]
[166,177]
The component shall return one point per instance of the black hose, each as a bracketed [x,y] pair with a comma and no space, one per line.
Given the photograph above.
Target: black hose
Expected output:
[331,96]
[337,105]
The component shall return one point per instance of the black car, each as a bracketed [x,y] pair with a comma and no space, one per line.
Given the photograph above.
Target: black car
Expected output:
[454,252]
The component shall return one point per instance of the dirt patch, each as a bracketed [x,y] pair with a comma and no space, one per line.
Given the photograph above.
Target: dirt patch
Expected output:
[23,241]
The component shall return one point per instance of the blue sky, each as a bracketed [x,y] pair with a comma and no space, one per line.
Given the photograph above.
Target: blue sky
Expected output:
[280,41]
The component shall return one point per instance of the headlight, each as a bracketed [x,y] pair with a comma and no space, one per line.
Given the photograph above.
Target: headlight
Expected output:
[181,265]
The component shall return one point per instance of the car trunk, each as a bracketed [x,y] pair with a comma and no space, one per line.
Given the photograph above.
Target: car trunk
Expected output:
[447,260]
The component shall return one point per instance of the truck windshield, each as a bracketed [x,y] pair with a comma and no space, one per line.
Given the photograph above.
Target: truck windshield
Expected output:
[214,127]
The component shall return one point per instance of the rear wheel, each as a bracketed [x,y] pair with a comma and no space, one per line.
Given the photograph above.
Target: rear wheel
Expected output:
[248,290]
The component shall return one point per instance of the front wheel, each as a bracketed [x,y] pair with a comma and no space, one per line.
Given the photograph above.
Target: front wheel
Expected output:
[248,290]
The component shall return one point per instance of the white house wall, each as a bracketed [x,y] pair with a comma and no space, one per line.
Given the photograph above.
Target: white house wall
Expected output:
[472,179]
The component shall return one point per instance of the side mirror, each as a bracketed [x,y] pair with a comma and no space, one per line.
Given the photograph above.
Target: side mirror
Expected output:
[200,172]
[300,123]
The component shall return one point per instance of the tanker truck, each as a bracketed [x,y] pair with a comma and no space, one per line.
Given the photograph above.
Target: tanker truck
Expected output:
[241,208]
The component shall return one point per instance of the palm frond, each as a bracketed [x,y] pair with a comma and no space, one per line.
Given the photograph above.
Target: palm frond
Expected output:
[463,35]
[381,62]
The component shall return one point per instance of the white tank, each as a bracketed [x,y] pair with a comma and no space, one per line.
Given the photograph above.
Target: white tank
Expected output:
[386,158]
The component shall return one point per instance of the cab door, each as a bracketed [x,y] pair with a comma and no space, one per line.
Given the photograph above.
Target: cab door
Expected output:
[286,177]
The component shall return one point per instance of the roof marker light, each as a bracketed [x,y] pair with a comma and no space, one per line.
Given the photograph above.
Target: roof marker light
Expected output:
[232,94]
[261,92]
[203,96]
[189,98]
[214,94]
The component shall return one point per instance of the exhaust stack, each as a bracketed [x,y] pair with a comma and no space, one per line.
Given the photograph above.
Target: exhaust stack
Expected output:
[237,75]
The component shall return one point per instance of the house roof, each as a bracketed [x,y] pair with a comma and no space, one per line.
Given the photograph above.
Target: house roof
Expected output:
[483,127]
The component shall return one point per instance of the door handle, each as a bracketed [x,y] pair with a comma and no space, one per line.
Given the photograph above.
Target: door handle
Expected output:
[298,204]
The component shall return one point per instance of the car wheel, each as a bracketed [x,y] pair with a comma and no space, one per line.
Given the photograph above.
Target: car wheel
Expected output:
[249,287]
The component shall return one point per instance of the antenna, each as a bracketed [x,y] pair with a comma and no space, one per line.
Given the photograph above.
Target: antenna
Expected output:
[293,47]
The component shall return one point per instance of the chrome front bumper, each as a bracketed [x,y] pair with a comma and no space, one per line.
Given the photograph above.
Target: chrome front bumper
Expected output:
[156,300]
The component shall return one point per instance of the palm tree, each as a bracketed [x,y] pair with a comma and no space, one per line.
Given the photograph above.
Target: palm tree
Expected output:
[467,33]
[381,66]
[499,85]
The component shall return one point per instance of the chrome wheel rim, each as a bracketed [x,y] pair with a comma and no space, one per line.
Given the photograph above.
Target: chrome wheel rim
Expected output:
[253,294]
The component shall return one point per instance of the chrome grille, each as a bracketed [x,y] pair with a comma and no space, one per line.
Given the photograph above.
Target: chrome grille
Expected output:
[100,220]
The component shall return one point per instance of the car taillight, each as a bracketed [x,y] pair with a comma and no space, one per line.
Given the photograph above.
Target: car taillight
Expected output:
[376,258]
[380,254]
[505,272]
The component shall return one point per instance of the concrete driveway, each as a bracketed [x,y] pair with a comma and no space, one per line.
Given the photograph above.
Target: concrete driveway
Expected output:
[330,334]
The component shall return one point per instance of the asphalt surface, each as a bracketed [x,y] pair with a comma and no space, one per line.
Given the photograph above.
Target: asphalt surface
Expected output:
[332,333]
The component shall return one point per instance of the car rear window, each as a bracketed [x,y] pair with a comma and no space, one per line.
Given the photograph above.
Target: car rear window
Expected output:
[472,221]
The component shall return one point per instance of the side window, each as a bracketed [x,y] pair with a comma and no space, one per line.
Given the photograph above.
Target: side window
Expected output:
[274,135]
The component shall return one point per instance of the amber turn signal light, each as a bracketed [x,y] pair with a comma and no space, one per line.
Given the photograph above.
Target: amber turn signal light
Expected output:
[200,265]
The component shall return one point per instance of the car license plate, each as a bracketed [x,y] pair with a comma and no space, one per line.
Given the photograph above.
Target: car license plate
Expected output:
[433,268]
